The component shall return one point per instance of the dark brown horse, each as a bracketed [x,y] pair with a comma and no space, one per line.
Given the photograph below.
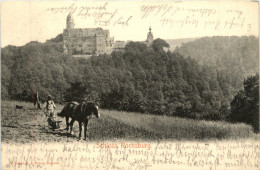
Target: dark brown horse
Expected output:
[80,112]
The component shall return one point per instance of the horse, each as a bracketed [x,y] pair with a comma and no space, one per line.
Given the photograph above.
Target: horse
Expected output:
[80,112]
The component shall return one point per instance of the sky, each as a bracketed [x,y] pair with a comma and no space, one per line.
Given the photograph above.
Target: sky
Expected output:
[25,21]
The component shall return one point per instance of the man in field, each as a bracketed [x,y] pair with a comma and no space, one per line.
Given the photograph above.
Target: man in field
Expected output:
[50,106]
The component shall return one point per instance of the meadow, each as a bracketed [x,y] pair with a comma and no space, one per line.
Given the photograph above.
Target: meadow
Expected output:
[30,125]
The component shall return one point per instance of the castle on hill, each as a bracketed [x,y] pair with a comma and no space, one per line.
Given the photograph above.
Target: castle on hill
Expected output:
[89,41]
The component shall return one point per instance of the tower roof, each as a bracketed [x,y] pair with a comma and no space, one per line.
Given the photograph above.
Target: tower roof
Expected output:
[149,39]
[69,17]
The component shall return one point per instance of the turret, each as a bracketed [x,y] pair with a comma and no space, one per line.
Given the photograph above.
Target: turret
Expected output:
[149,36]
[70,21]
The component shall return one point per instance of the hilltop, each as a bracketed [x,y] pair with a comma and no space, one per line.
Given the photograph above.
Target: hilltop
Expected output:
[235,53]
[141,79]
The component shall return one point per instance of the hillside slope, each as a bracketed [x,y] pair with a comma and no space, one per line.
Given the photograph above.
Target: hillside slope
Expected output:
[225,53]
[142,79]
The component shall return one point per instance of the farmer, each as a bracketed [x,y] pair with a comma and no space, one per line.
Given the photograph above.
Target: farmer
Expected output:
[50,106]
[37,101]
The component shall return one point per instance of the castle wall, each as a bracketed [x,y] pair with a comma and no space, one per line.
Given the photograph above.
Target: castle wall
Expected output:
[87,41]
[119,46]
[100,44]
[88,45]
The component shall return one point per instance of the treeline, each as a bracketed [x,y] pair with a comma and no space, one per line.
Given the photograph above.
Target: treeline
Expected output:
[142,79]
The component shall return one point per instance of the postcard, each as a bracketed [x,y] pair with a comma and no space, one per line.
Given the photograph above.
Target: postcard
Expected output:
[130,85]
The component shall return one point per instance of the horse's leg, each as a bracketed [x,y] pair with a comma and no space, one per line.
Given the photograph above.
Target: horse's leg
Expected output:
[85,129]
[80,129]
[71,126]
[67,123]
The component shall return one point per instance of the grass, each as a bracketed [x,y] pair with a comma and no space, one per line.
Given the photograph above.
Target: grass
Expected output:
[29,125]
[182,128]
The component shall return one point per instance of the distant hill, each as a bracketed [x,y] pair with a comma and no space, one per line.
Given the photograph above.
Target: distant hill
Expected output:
[178,42]
[233,53]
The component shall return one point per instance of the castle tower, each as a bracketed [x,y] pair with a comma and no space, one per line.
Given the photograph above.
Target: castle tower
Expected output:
[70,21]
[149,37]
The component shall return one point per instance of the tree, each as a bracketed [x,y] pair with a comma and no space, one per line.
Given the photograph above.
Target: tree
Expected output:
[140,79]
[77,92]
[135,46]
[158,45]
[245,105]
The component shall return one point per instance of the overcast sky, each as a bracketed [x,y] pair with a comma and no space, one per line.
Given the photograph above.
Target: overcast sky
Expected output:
[25,21]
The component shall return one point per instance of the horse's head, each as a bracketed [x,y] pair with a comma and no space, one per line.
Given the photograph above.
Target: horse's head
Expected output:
[93,109]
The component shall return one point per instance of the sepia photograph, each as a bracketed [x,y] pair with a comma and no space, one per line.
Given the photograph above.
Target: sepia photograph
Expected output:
[130,85]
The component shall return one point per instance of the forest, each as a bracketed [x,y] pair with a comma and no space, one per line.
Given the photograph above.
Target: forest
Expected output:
[202,79]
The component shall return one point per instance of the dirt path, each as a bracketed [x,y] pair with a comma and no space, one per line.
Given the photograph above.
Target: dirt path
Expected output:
[29,125]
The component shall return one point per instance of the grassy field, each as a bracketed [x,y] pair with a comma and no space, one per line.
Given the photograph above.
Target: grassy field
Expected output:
[181,128]
[29,125]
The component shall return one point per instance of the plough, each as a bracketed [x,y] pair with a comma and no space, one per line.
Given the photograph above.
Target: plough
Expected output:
[52,123]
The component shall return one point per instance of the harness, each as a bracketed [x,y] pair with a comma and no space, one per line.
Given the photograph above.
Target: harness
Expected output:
[83,110]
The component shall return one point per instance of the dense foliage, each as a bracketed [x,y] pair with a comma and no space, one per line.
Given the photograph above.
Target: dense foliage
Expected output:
[142,79]
[245,105]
